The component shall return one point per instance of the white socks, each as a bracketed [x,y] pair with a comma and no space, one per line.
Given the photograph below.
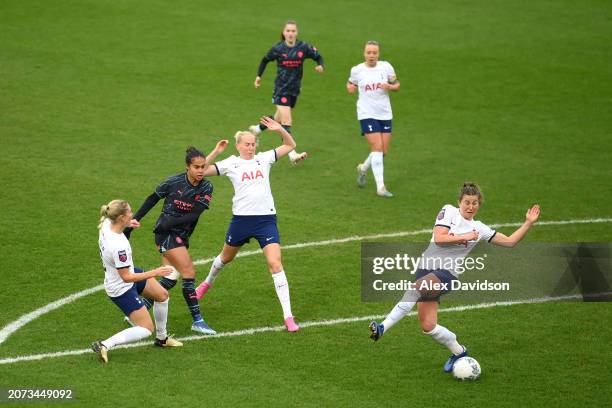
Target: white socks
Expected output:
[126,336]
[378,169]
[365,166]
[282,291]
[160,312]
[399,311]
[215,268]
[447,338]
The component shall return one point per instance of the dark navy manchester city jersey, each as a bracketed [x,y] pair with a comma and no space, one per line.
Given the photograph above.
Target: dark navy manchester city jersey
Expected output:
[290,65]
[180,198]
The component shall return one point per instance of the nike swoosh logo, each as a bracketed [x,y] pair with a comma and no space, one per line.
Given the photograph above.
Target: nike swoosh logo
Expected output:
[267,239]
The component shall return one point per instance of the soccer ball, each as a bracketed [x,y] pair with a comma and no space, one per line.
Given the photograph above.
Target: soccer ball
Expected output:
[466,368]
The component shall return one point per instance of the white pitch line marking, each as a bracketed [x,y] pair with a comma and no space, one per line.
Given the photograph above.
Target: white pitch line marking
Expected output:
[12,327]
[317,323]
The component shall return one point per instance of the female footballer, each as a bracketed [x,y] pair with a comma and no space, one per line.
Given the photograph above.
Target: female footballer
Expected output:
[289,54]
[123,286]
[455,233]
[374,79]
[254,213]
[186,196]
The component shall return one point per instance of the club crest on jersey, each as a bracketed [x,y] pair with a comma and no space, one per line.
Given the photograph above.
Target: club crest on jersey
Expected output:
[252,175]
[179,240]
[122,256]
[300,54]
[441,214]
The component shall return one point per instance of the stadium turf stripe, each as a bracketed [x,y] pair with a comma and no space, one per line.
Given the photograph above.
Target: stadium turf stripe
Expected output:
[303,325]
[14,326]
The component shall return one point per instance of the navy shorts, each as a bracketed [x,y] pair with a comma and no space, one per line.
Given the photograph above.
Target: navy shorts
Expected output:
[375,126]
[170,240]
[244,227]
[442,274]
[285,100]
[130,300]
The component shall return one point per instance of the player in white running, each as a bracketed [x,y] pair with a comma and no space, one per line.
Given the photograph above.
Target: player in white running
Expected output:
[123,286]
[253,209]
[455,233]
[374,79]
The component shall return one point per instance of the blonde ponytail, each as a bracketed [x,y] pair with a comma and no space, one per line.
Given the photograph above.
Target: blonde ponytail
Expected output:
[112,211]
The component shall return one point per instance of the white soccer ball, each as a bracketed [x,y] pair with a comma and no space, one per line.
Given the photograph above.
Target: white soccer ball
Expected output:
[466,368]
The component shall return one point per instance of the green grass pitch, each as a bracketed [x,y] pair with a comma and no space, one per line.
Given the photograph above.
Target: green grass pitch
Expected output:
[99,99]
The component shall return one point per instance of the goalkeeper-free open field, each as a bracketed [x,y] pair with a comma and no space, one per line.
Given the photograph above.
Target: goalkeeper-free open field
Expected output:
[99,99]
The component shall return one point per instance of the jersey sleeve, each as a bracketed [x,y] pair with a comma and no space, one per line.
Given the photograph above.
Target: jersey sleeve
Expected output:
[206,196]
[313,53]
[163,189]
[390,73]
[353,78]
[120,256]
[271,55]
[222,166]
[485,231]
[269,156]
[445,216]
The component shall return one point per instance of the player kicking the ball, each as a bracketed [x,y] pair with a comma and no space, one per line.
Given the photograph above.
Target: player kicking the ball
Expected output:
[455,234]
[254,213]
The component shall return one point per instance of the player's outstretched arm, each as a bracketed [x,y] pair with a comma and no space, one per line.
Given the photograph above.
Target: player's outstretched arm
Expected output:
[148,204]
[210,157]
[530,218]
[288,142]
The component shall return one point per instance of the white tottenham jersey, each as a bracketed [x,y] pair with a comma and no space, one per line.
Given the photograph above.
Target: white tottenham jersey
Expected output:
[373,102]
[251,180]
[448,256]
[116,253]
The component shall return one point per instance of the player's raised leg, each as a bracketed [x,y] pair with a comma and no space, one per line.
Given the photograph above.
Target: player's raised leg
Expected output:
[226,256]
[399,311]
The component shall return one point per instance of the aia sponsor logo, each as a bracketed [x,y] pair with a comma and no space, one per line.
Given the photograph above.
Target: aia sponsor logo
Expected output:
[252,175]
[373,87]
